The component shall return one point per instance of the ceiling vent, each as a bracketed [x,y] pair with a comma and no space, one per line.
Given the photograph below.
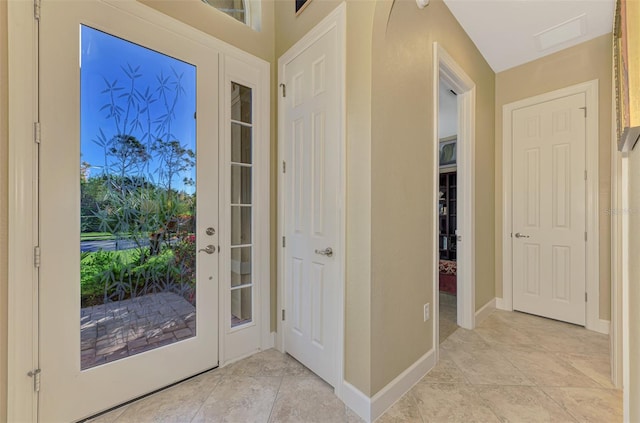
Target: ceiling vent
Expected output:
[560,34]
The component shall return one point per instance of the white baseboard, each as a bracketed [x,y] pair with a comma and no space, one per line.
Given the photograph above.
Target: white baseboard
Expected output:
[269,341]
[279,341]
[485,311]
[369,409]
[602,326]
[399,386]
[501,304]
[358,402]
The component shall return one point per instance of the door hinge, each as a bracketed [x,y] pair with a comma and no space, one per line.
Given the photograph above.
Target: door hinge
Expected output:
[284,167]
[283,314]
[36,9]
[585,110]
[284,242]
[35,374]
[36,132]
[36,256]
[284,90]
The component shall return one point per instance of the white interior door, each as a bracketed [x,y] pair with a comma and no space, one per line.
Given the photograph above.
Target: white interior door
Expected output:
[127,304]
[549,191]
[311,122]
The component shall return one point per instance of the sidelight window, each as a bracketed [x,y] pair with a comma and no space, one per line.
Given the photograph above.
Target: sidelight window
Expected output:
[242,245]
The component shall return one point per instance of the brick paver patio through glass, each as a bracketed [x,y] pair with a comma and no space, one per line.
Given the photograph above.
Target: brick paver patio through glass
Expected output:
[123,328]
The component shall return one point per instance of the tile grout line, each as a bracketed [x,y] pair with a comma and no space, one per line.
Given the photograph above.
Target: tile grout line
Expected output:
[599,385]
[485,402]
[222,377]
[415,401]
[464,376]
[556,355]
[522,373]
[559,404]
[275,398]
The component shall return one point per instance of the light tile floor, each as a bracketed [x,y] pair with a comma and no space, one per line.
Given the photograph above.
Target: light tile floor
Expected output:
[512,368]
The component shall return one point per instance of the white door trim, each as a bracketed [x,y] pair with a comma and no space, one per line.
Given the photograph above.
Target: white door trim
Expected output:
[446,68]
[23,209]
[624,257]
[23,198]
[590,89]
[617,194]
[336,19]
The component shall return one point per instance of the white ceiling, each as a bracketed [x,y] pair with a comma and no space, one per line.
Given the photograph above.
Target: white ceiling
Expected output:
[447,112]
[505,30]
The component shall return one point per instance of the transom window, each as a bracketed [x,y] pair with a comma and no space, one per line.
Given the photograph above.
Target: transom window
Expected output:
[235,8]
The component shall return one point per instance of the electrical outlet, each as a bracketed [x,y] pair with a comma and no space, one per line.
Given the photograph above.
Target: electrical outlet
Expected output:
[426,312]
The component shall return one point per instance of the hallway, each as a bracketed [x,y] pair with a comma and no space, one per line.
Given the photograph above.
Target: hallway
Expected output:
[512,368]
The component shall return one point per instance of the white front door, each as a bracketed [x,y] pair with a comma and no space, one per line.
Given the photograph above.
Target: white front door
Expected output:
[128,294]
[311,190]
[549,206]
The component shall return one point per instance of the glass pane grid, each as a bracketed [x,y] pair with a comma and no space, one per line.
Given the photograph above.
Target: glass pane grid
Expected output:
[241,123]
[241,306]
[241,103]
[241,172]
[241,143]
[241,225]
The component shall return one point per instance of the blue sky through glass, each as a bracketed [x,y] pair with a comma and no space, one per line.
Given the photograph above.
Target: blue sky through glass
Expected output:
[153,95]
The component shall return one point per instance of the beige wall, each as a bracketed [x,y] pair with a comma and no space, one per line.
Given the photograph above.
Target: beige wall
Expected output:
[358,306]
[289,30]
[4,164]
[401,177]
[584,62]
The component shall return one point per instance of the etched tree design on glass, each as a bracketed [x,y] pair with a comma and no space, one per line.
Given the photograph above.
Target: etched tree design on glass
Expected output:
[138,195]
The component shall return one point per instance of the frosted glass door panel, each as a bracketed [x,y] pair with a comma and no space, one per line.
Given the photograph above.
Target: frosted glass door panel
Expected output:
[138,199]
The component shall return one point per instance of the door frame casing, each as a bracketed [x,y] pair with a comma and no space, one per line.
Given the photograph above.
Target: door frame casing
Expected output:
[590,90]
[22,357]
[447,69]
[619,188]
[23,212]
[336,20]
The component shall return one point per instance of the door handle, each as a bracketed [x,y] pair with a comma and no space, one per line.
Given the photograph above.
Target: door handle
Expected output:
[326,252]
[209,249]
[519,235]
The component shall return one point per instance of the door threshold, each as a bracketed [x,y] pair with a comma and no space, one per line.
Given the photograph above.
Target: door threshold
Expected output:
[164,388]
